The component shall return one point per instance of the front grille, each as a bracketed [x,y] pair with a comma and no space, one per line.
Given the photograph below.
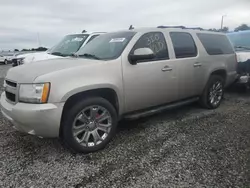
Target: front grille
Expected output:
[10,90]
[10,96]
[12,84]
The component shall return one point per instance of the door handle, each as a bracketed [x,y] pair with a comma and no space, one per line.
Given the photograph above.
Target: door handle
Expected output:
[166,68]
[197,64]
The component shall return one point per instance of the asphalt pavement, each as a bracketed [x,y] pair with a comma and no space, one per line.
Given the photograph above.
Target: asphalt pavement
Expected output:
[185,147]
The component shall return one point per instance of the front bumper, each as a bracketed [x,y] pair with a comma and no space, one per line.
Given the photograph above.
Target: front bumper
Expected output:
[36,119]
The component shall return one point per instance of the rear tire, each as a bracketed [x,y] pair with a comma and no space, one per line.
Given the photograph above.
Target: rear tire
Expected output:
[5,62]
[86,116]
[213,93]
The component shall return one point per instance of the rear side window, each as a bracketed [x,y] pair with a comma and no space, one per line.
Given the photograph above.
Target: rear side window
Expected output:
[215,44]
[156,42]
[184,45]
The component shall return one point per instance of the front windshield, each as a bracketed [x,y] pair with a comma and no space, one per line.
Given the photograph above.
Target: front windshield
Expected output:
[240,40]
[107,46]
[69,45]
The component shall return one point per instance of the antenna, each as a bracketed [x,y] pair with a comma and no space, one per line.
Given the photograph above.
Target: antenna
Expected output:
[84,31]
[131,27]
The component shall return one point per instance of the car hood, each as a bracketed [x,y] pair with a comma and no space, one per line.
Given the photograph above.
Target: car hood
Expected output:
[27,73]
[39,57]
[243,56]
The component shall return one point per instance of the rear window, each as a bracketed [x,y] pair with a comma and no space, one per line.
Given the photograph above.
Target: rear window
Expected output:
[184,45]
[215,44]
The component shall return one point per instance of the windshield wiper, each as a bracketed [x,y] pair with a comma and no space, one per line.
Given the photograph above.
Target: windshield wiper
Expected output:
[57,53]
[89,55]
[73,55]
[243,47]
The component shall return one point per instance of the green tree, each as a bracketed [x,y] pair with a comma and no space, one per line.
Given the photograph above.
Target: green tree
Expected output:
[242,27]
[224,29]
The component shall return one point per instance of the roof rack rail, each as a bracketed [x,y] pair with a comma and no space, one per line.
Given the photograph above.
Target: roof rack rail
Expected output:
[162,26]
[198,28]
[181,27]
[99,32]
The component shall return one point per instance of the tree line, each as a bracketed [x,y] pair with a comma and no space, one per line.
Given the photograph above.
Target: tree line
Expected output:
[242,27]
[39,49]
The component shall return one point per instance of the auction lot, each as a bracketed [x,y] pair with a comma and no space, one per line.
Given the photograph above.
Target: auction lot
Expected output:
[186,147]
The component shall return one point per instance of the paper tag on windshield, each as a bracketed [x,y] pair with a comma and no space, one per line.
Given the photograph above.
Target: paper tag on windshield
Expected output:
[117,40]
[77,39]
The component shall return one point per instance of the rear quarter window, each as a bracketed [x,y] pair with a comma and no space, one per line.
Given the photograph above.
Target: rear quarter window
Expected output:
[215,44]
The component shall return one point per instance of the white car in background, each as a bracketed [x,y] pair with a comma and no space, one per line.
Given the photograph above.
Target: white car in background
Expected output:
[3,59]
[6,57]
[68,46]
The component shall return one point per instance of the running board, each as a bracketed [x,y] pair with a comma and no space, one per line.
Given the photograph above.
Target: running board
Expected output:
[159,109]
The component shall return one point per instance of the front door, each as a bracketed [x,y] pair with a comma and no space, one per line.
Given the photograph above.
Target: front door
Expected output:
[149,83]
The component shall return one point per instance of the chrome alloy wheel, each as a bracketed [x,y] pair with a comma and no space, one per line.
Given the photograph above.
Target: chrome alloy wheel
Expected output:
[92,125]
[215,93]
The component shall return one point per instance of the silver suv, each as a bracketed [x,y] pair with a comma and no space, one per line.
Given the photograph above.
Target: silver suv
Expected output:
[126,74]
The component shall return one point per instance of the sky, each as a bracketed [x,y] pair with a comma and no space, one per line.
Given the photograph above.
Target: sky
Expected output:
[28,23]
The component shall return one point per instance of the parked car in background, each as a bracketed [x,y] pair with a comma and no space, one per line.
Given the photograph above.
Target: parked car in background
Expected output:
[3,59]
[9,57]
[68,46]
[241,43]
[126,74]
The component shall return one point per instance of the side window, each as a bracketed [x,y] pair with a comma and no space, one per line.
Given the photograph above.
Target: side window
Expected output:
[184,45]
[215,44]
[156,42]
[91,38]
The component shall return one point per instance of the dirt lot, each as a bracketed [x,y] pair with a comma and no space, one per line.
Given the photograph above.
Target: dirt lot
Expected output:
[186,147]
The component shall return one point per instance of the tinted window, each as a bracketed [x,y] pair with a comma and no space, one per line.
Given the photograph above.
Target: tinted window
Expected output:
[183,44]
[91,38]
[156,42]
[215,44]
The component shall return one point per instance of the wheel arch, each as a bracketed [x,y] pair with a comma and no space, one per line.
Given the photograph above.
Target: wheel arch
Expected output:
[107,93]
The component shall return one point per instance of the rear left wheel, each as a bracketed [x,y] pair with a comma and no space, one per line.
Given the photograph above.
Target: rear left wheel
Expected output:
[89,125]
[213,93]
[5,62]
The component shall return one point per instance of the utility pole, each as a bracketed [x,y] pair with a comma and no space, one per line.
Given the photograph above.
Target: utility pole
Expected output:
[222,20]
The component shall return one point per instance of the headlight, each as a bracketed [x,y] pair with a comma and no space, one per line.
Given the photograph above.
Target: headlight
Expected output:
[34,93]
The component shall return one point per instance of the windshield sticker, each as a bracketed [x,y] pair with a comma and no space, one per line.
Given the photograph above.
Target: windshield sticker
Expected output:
[117,40]
[77,39]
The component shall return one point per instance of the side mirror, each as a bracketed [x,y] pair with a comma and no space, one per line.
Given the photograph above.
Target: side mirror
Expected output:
[141,54]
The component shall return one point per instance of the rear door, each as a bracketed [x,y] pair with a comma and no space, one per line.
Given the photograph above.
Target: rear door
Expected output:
[187,62]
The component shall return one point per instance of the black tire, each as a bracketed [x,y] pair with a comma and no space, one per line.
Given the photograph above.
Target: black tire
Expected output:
[5,62]
[67,132]
[204,99]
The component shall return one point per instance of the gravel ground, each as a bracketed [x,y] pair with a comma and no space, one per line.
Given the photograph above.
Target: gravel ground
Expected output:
[186,147]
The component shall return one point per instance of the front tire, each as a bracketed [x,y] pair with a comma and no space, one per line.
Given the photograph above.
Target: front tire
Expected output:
[89,125]
[213,93]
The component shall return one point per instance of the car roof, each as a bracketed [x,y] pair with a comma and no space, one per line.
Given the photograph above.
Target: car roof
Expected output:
[170,29]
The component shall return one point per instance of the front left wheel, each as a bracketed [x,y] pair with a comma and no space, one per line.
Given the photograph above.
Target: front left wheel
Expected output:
[89,125]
